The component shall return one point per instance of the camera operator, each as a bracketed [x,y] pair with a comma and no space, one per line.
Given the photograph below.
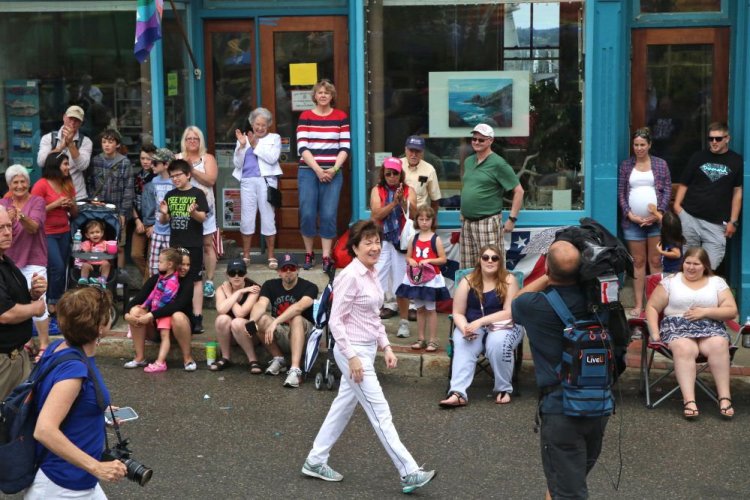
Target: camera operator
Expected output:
[70,405]
[569,445]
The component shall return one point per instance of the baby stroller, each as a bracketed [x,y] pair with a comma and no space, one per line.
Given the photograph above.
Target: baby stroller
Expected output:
[109,216]
[330,372]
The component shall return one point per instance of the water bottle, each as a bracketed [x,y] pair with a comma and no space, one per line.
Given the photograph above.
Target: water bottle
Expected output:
[77,238]
[746,333]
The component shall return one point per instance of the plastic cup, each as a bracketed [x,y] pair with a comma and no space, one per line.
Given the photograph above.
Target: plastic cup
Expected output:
[112,247]
[210,353]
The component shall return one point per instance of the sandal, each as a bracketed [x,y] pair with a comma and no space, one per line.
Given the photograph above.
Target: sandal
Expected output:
[725,410]
[419,344]
[255,368]
[273,263]
[432,346]
[219,365]
[690,413]
[450,402]
[500,398]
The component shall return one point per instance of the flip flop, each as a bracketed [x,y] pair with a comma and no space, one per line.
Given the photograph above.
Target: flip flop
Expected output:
[690,413]
[724,410]
[449,402]
[502,395]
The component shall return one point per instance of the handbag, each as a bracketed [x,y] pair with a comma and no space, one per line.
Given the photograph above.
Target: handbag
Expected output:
[408,232]
[419,275]
[273,195]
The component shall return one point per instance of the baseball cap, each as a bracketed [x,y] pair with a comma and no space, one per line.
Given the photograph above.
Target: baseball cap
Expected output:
[393,164]
[288,260]
[415,142]
[235,264]
[162,155]
[74,112]
[485,130]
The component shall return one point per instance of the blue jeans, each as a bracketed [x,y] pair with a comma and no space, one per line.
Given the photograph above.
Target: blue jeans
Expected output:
[58,255]
[318,199]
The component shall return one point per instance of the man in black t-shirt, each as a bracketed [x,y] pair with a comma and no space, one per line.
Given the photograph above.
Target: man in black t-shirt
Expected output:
[709,196]
[291,299]
[570,446]
[185,208]
[18,305]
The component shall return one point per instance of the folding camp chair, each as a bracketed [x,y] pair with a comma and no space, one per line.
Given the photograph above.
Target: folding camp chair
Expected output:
[648,381]
[483,364]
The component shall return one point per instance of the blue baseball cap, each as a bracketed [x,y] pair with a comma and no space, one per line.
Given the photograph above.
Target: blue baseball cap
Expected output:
[415,142]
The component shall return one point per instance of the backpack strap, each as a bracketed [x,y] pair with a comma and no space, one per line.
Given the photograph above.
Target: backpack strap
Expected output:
[433,243]
[557,304]
[76,354]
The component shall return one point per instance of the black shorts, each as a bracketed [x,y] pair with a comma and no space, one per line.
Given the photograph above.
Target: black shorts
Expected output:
[570,447]
[196,262]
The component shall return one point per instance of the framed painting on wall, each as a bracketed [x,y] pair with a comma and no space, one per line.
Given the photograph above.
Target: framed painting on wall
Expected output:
[461,100]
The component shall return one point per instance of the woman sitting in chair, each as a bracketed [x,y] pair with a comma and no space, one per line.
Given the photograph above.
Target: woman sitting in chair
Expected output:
[481,314]
[695,304]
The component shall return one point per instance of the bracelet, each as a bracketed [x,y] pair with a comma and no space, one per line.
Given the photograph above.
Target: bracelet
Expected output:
[512,219]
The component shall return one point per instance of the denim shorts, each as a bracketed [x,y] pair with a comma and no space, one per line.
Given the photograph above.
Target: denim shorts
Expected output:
[634,232]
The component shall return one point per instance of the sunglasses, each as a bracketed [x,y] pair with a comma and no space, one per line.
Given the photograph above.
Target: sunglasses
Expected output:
[183,251]
[480,140]
[493,258]
[234,273]
[288,269]
[720,138]
[391,173]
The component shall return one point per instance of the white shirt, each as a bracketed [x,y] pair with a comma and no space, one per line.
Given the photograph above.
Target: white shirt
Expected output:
[77,165]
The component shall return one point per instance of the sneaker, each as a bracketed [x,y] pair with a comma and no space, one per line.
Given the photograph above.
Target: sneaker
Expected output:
[309,261]
[155,367]
[103,281]
[208,289]
[403,329]
[321,471]
[275,366]
[197,324]
[416,479]
[292,378]
[83,282]
[135,364]
[327,264]
[190,366]
[96,282]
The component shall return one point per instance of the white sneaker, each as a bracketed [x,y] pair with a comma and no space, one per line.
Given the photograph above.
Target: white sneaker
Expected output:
[403,329]
[135,364]
[190,366]
[275,366]
[292,378]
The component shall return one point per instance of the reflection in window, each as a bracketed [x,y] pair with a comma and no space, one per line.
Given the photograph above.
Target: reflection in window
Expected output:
[83,58]
[665,6]
[177,74]
[541,38]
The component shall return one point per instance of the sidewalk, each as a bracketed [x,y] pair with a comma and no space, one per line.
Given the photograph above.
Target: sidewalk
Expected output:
[411,362]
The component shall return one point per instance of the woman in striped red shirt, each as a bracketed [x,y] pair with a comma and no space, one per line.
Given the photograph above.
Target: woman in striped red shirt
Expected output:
[323,144]
[356,327]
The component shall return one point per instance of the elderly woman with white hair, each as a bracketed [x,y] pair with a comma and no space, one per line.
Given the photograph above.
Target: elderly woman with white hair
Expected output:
[28,251]
[256,166]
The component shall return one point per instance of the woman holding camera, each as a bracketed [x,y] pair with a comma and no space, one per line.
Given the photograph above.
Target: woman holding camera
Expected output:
[70,403]
[235,299]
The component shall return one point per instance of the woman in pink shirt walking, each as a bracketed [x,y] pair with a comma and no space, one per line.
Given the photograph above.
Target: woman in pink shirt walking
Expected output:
[358,332]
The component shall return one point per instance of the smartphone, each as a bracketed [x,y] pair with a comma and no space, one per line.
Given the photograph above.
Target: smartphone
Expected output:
[125,414]
[251,327]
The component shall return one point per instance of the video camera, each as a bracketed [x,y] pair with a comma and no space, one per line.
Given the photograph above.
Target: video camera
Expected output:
[604,263]
[136,471]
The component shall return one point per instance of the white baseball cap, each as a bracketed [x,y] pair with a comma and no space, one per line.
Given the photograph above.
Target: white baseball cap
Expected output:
[485,130]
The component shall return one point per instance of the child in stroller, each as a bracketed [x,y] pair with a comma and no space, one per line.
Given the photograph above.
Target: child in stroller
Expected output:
[101,226]
[94,242]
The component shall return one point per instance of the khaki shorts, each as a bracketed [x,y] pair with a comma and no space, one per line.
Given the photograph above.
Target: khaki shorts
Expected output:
[282,333]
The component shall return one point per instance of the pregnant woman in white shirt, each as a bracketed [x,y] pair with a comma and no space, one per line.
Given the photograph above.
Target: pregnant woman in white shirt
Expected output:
[643,180]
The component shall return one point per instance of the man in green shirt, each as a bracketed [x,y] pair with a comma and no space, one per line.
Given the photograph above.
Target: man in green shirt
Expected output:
[487,176]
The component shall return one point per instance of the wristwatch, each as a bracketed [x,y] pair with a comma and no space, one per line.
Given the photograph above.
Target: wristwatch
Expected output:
[21,216]
[513,219]
[735,223]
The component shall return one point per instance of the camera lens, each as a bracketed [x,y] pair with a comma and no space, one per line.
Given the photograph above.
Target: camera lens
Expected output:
[138,472]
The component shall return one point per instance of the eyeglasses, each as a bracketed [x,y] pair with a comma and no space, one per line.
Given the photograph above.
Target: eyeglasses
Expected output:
[234,273]
[715,138]
[174,176]
[192,139]
[391,173]
[493,258]
[480,140]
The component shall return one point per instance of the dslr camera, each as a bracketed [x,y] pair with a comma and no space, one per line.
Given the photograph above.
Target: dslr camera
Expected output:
[137,472]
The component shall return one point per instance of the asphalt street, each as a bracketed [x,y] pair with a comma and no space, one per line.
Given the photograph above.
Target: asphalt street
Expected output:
[234,435]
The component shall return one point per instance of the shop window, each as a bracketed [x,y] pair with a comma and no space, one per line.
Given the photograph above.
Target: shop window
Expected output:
[177,75]
[50,60]
[411,44]
[673,6]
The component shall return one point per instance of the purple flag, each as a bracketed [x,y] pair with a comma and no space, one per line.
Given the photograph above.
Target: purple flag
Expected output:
[147,27]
